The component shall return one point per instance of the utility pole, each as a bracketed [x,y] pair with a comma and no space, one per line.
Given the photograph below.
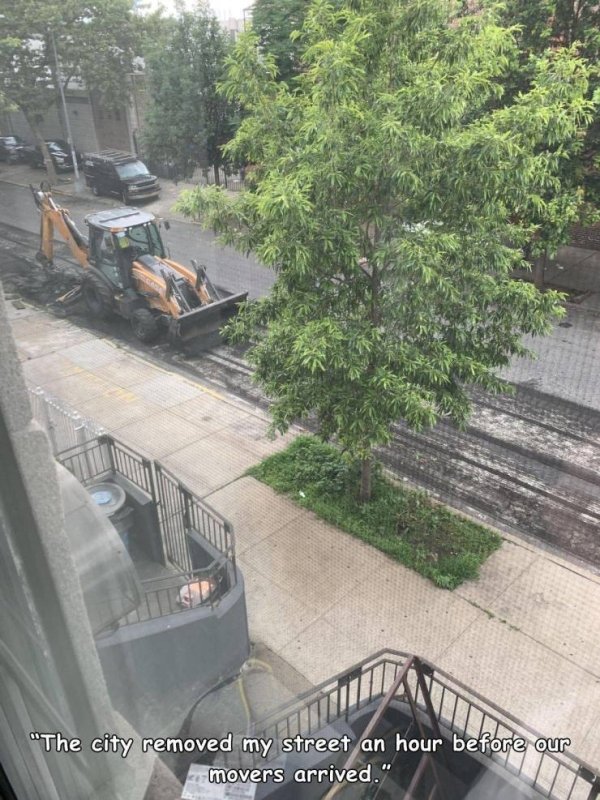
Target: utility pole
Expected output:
[64,105]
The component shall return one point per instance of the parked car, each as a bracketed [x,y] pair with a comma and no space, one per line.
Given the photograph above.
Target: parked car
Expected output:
[60,153]
[11,148]
[120,174]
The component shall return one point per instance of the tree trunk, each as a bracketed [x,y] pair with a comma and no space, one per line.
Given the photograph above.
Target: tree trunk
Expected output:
[366,480]
[217,178]
[366,466]
[539,272]
[35,129]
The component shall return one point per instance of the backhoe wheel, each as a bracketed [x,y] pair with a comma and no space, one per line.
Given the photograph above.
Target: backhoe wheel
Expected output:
[144,325]
[97,297]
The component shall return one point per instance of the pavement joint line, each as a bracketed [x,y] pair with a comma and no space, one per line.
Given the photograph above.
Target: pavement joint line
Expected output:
[591,577]
[594,724]
[199,438]
[319,615]
[520,631]
[506,587]
[483,616]
[595,675]
[298,634]
[322,610]
[241,477]
[224,486]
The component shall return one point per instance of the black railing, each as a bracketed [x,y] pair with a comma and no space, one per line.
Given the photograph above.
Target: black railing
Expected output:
[173,594]
[97,459]
[180,512]
[456,708]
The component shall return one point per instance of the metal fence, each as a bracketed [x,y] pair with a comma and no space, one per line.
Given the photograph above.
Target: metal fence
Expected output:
[458,709]
[235,181]
[65,427]
[179,510]
[174,594]
[99,457]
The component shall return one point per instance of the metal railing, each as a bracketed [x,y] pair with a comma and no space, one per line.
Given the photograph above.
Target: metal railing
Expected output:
[179,510]
[233,182]
[64,426]
[173,594]
[98,458]
[457,709]
[414,664]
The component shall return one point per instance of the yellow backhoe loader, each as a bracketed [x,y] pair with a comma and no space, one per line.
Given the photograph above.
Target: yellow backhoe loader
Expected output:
[128,273]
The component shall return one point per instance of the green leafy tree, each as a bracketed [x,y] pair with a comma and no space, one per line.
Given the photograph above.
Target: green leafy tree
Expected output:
[95,43]
[188,121]
[389,188]
[274,21]
[553,24]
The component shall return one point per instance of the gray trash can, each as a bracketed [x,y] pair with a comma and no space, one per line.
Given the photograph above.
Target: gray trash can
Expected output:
[111,500]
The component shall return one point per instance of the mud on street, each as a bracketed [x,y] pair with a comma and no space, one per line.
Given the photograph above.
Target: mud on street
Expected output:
[527,464]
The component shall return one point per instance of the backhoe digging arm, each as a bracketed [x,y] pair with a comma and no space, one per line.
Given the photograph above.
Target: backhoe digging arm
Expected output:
[55,219]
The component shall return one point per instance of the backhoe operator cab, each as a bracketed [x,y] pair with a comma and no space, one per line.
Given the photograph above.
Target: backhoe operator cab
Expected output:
[120,236]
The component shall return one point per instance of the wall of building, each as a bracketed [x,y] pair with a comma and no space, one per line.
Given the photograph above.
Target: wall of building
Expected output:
[52,125]
[48,649]
[589,237]
[93,126]
[111,126]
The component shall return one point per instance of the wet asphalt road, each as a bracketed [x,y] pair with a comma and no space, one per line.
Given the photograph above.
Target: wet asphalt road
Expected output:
[226,267]
[527,464]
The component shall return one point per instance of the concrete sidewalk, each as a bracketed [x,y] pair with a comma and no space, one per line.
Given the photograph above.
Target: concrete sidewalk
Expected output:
[525,634]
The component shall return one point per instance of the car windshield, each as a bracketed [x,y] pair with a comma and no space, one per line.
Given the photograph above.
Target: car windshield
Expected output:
[10,140]
[132,170]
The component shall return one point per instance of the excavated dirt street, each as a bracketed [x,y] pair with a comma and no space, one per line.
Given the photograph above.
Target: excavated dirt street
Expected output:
[527,464]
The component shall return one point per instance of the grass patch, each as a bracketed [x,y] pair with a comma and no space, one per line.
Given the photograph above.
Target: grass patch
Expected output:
[403,523]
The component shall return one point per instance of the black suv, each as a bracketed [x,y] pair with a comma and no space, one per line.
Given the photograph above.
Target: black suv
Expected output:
[60,153]
[121,174]
[11,148]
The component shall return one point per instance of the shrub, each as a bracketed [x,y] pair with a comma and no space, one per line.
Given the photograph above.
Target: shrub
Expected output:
[403,523]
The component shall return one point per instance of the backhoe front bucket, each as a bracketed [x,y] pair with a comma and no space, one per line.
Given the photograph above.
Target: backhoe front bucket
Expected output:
[205,323]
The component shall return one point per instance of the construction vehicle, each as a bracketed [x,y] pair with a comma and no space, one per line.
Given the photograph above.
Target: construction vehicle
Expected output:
[127,272]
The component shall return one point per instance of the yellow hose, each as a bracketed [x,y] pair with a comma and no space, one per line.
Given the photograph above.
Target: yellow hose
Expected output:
[245,703]
[255,662]
[251,663]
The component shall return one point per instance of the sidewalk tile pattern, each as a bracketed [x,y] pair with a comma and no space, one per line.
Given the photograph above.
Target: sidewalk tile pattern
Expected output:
[525,634]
